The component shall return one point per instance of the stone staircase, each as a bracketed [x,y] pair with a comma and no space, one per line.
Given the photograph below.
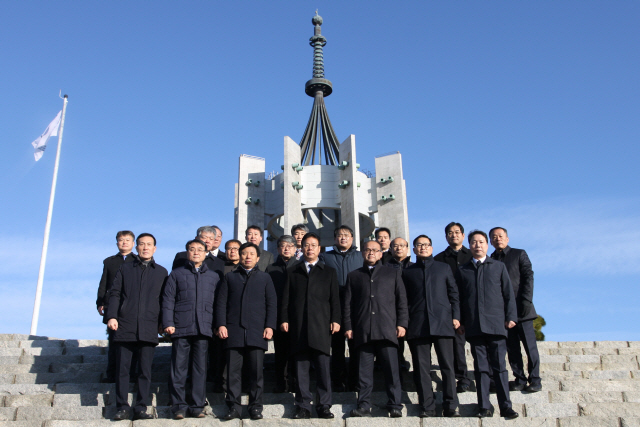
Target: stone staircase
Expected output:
[48,382]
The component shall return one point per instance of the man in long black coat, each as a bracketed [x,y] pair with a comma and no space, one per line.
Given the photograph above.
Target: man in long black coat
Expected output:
[253,234]
[207,234]
[246,317]
[111,265]
[456,255]
[375,316]
[521,275]
[134,315]
[434,314]
[488,310]
[310,313]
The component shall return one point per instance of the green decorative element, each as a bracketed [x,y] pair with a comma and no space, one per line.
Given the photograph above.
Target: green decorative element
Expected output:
[299,187]
[357,165]
[343,165]
[382,180]
[343,184]
[248,183]
[390,179]
[359,185]
[299,169]
[392,197]
[295,183]
[538,323]
[384,198]
[257,201]
[295,165]
[248,201]
[257,183]
[282,167]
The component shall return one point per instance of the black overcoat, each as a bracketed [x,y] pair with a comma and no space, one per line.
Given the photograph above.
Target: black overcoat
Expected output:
[213,262]
[375,303]
[486,298]
[246,305]
[310,303]
[134,301]
[521,275]
[400,265]
[187,301]
[278,273]
[110,267]
[433,299]
[453,259]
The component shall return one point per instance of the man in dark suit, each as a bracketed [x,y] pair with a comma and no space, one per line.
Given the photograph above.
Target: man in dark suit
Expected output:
[298,231]
[246,317]
[111,265]
[207,234]
[134,315]
[456,255]
[278,272]
[253,234]
[232,256]
[375,316]
[434,313]
[310,313]
[488,310]
[383,236]
[400,251]
[216,244]
[521,275]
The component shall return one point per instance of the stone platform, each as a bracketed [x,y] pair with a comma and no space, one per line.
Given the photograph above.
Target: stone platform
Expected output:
[48,382]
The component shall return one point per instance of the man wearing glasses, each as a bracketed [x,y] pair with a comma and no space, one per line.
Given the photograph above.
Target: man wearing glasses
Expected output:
[400,250]
[434,314]
[206,234]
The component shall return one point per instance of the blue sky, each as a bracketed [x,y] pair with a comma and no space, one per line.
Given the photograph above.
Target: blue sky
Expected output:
[519,114]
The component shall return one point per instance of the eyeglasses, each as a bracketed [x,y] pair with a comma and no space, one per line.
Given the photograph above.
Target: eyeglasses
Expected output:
[343,235]
[289,246]
[310,245]
[422,245]
[196,250]
[371,251]
[233,249]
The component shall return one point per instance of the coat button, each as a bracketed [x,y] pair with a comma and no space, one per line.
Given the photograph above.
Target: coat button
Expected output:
[371,296]
[373,312]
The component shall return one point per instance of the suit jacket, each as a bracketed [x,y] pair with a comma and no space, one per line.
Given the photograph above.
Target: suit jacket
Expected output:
[310,303]
[222,255]
[266,259]
[278,273]
[214,263]
[246,305]
[433,299]
[453,259]
[110,267]
[521,275]
[375,303]
[134,301]
[386,257]
[486,298]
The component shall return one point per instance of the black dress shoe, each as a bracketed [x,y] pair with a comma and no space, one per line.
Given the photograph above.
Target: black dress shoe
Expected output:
[485,413]
[301,414]
[325,413]
[509,414]
[516,386]
[533,388]
[461,388]
[360,412]
[142,415]
[395,413]
[231,415]
[451,413]
[198,414]
[122,414]
[427,414]
[255,414]
[179,415]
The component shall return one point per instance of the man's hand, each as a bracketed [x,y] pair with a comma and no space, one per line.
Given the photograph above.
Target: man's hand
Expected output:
[335,327]
[222,333]
[284,327]
[101,310]
[170,330]
[510,324]
[400,331]
[112,324]
[460,330]
[349,334]
[268,333]
[456,323]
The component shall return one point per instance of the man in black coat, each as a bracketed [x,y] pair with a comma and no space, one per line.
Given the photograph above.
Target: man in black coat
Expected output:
[375,316]
[246,317]
[456,255]
[488,310]
[297,232]
[187,316]
[216,244]
[207,234]
[400,250]
[134,315]
[383,236]
[253,234]
[310,313]
[278,272]
[434,313]
[521,275]
[111,265]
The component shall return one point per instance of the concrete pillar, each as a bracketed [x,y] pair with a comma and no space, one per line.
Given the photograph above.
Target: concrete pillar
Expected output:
[292,197]
[348,194]
[392,214]
[249,213]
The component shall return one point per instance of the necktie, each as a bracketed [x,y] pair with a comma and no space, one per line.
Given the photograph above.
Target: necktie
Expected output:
[310,268]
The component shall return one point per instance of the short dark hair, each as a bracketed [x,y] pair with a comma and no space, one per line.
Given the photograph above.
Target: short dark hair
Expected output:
[498,228]
[146,235]
[453,224]
[422,236]
[217,228]
[299,227]
[249,245]
[232,241]
[342,227]
[253,227]
[119,234]
[195,241]
[374,241]
[382,229]
[474,232]
[310,236]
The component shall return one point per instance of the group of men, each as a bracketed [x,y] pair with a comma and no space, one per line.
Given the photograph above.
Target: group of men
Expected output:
[221,308]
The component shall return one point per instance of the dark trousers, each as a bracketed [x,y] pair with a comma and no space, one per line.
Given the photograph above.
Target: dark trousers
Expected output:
[111,355]
[460,359]
[303,362]
[421,355]
[184,351]
[283,360]
[217,362]
[387,354]
[489,353]
[524,332]
[343,375]
[253,357]
[125,353]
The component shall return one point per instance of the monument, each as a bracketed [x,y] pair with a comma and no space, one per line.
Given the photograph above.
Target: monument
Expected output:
[320,184]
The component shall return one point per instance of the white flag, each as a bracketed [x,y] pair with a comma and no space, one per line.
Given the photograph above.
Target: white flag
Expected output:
[40,144]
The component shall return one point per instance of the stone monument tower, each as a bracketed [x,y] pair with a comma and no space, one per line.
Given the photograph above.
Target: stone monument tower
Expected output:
[320,184]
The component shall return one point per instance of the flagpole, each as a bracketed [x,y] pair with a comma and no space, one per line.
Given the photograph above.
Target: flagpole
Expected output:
[47,227]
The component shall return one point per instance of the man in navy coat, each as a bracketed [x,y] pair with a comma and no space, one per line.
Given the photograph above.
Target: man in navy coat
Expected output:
[246,317]
[488,310]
